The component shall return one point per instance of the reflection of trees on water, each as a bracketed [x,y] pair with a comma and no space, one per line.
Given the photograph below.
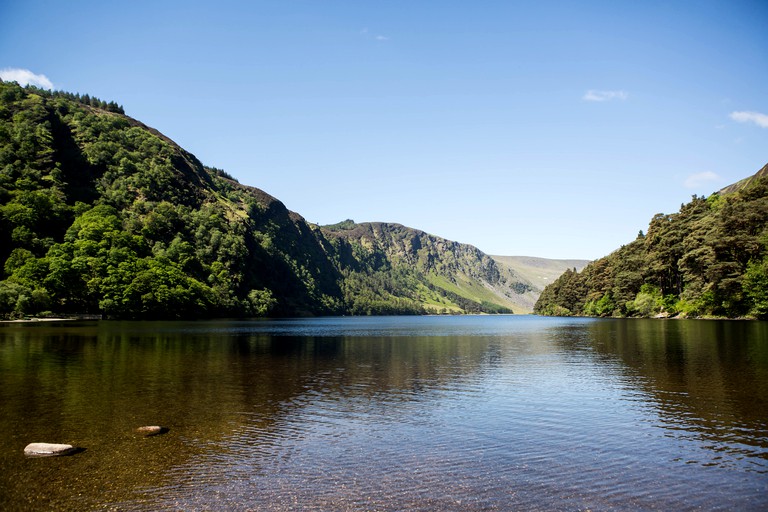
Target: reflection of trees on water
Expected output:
[375,365]
[709,379]
[92,385]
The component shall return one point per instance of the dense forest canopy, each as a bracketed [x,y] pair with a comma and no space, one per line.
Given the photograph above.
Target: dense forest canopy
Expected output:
[100,214]
[709,259]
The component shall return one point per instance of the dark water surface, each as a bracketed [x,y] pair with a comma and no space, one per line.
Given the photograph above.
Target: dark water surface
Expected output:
[403,413]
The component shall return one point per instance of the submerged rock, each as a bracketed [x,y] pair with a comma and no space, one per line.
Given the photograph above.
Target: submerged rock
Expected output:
[152,430]
[48,449]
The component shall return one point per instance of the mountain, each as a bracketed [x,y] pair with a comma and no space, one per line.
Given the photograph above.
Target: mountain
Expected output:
[539,272]
[100,214]
[449,276]
[708,260]
[746,182]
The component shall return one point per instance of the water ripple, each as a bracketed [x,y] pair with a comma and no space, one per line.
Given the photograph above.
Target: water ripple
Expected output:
[395,414]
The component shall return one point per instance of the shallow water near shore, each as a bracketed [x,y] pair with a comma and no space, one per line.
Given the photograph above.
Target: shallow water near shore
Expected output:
[387,413]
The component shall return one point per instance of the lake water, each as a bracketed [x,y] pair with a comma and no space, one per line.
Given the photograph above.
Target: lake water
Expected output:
[392,413]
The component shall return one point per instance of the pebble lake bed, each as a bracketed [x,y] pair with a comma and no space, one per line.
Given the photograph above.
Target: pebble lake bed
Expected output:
[386,413]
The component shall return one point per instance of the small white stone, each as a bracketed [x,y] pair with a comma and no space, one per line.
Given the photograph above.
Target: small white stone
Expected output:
[152,430]
[48,449]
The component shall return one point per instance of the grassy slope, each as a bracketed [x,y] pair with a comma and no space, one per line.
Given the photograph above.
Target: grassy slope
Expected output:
[538,271]
[458,269]
[471,289]
[745,183]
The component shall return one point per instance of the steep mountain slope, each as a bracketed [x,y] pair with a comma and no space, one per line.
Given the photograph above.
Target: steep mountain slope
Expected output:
[539,272]
[101,214]
[449,276]
[745,183]
[709,259]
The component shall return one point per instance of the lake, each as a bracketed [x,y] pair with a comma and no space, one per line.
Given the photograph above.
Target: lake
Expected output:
[387,413]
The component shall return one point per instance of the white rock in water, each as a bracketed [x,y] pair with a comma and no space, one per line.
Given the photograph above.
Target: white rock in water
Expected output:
[48,449]
[152,430]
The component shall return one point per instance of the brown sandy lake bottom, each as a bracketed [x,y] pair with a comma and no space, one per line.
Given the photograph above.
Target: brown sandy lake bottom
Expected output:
[387,413]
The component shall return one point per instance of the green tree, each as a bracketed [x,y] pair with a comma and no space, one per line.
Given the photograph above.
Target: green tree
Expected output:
[755,284]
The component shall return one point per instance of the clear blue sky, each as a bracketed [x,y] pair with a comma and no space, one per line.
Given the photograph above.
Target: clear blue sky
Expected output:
[554,129]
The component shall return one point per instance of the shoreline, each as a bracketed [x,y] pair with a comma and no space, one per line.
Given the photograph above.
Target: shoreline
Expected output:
[35,320]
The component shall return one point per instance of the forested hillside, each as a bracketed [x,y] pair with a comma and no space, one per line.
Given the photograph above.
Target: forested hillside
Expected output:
[709,259]
[433,274]
[100,214]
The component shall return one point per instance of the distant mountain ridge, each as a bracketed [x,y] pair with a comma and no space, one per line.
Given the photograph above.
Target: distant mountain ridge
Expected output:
[540,272]
[100,214]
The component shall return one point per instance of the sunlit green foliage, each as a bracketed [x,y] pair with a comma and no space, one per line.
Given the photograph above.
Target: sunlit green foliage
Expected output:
[709,259]
[755,283]
[102,215]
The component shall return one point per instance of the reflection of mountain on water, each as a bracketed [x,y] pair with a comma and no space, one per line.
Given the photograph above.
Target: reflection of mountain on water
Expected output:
[708,379]
[93,384]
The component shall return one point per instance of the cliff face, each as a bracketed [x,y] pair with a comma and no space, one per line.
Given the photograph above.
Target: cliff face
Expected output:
[450,268]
